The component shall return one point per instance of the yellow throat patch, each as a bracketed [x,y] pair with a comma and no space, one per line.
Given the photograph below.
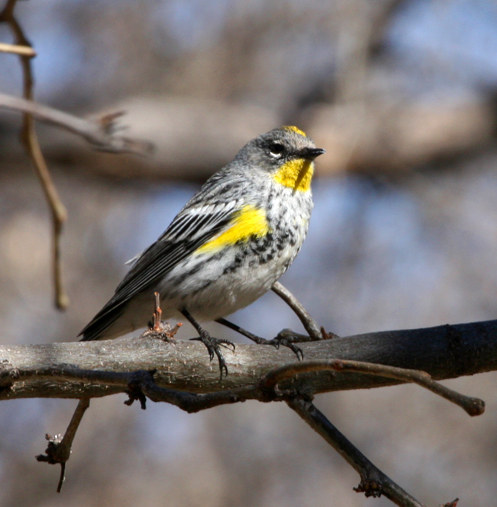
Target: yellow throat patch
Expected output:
[296,174]
[248,222]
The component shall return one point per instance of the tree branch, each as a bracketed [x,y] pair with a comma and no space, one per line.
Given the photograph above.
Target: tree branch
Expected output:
[30,140]
[373,481]
[59,449]
[163,370]
[102,132]
[310,325]
[94,369]
[472,406]
[17,49]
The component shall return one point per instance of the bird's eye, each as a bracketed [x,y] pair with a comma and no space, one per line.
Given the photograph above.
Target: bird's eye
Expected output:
[276,150]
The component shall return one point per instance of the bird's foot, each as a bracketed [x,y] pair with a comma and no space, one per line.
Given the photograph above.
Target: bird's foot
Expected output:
[214,348]
[287,338]
[213,344]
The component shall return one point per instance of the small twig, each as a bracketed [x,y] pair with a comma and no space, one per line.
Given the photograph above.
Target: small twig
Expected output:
[101,132]
[141,380]
[310,325]
[159,328]
[59,450]
[17,50]
[104,129]
[157,316]
[30,139]
[189,402]
[57,208]
[473,406]
[8,10]
[373,481]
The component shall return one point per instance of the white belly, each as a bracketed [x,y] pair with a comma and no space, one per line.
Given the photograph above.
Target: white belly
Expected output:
[211,293]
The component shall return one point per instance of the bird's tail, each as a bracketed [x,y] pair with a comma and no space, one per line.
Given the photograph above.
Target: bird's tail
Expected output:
[96,329]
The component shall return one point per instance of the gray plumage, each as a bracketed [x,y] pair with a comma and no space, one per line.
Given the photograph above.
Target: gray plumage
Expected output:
[214,282]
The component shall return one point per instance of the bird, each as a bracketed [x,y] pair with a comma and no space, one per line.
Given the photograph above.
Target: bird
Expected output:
[228,245]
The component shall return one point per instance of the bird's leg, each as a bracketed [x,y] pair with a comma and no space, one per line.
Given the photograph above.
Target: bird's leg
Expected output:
[287,337]
[244,332]
[212,344]
[281,339]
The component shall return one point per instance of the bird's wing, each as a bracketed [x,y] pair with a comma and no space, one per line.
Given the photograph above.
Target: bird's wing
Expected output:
[188,231]
[193,227]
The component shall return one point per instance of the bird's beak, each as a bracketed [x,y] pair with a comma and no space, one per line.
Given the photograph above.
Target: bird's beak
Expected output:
[311,153]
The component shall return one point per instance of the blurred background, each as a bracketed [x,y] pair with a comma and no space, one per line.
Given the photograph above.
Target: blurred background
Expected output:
[401,94]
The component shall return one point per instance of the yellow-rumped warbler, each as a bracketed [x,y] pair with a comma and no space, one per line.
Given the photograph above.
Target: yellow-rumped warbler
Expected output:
[229,244]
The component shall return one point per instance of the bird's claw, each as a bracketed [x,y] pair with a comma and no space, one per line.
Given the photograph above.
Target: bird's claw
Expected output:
[213,348]
[283,340]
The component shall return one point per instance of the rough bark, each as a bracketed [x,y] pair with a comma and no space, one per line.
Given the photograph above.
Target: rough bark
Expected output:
[94,369]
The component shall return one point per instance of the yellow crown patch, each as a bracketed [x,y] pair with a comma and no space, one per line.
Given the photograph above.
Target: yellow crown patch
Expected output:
[295,129]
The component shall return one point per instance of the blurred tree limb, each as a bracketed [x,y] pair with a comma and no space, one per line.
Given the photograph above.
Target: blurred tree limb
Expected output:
[400,136]
[102,132]
[33,148]
[17,50]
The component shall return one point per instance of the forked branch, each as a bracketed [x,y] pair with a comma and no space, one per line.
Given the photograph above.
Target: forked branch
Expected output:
[274,386]
[32,145]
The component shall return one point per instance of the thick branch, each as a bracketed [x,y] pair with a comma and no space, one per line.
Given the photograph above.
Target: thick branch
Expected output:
[92,369]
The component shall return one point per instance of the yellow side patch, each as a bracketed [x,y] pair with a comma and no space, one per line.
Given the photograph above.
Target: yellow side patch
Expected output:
[296,174]
[249,222]
[295,129]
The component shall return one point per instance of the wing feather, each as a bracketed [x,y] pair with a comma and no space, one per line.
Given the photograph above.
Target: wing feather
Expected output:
[191,228]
